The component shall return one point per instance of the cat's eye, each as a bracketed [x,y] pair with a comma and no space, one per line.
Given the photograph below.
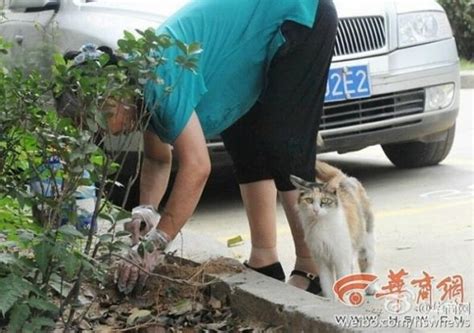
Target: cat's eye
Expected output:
[326,201]
[309,200]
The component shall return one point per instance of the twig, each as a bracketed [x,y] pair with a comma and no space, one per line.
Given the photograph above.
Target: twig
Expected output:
[148,323]
[200,270]
[86,310]
[164,277]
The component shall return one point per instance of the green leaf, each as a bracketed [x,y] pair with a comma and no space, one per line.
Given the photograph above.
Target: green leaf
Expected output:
[69,230]
[71,264]
[55,283]
[123,45]
[141,250]
[59,59]
[12,289]
[118,246]
[42,253]
[128,35]
[195,48]
[182,46]
[7,259]
[164,41]
[149,247]
[106,238]
[104,59]
[122,233]
[26,236]
[98,160]
[19,315]
[101,119]
[90,148]
[92,124]
[107,216]
[43,305]
[37,324]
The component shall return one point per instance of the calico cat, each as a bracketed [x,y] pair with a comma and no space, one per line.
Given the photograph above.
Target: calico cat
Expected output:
[338,224]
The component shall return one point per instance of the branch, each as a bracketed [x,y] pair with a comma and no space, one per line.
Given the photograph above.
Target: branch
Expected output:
[133,328]
[164,277]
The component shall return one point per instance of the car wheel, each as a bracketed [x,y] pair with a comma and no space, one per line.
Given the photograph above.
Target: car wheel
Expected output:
[419,154]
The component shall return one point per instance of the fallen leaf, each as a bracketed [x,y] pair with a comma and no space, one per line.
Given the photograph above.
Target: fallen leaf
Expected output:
[154,329]
[181,307]
[138,316]
[83,300]
[215,326]
[84,325]
[89,292]
[104,329]
[111,321]
[215,303]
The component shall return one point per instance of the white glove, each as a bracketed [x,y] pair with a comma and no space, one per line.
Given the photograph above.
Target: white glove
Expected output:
[130,278]
[144,219]
[147,255]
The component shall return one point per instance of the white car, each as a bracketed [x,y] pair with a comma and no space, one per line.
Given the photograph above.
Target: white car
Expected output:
[394,79]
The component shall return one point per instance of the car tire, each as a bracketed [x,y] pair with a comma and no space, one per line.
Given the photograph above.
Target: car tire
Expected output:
[418,154]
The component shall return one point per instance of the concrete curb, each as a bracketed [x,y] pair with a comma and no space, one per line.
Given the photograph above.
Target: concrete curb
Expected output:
[262,299]
[467,79]
[265,300]
[255,296]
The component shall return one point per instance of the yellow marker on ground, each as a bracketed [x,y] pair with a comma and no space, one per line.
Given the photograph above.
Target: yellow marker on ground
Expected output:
[235,241]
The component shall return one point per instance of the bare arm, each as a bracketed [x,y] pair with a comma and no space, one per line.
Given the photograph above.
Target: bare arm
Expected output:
[155,171]
[193,170]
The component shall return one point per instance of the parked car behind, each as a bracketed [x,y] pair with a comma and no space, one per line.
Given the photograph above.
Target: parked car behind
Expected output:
[394,80]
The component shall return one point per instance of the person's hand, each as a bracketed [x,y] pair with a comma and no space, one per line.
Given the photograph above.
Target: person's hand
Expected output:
[130,277]
[145,255]
[144,219]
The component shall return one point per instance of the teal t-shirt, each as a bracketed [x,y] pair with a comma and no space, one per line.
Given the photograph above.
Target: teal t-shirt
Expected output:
[239,39]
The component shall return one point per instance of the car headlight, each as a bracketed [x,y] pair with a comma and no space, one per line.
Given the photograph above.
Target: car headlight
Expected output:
[422,27]
[439,97]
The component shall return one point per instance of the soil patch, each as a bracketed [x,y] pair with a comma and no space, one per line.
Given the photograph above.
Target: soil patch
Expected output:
[180,301]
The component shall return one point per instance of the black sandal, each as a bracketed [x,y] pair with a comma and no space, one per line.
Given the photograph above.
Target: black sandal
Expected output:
[274,271]
[314,286]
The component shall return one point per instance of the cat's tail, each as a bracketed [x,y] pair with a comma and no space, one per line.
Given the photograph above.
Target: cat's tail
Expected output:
[328,173]
[366,210]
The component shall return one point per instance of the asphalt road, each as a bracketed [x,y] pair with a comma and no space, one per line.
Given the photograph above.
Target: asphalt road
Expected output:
[424,217]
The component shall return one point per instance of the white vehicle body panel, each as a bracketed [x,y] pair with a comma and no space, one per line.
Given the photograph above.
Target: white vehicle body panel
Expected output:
[392,69]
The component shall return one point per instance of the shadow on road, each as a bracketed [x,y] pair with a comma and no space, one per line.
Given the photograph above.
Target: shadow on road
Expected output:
[223,189]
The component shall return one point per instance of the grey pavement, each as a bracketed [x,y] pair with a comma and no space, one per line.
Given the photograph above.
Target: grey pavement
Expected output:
[424,217]
[467,79]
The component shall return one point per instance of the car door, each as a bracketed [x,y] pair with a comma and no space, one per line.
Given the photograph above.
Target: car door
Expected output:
[30,26]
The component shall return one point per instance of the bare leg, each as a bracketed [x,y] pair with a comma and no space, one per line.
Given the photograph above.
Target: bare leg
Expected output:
[260,204]
[304,261]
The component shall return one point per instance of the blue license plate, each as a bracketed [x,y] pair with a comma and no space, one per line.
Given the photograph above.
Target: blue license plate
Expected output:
[348,83]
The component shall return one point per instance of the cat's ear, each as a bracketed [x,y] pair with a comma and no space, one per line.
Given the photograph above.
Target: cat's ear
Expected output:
[299,183]
[328,187]
[320,184]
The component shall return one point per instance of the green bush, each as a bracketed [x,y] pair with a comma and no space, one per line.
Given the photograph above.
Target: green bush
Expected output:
[461,16]
[43,262]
